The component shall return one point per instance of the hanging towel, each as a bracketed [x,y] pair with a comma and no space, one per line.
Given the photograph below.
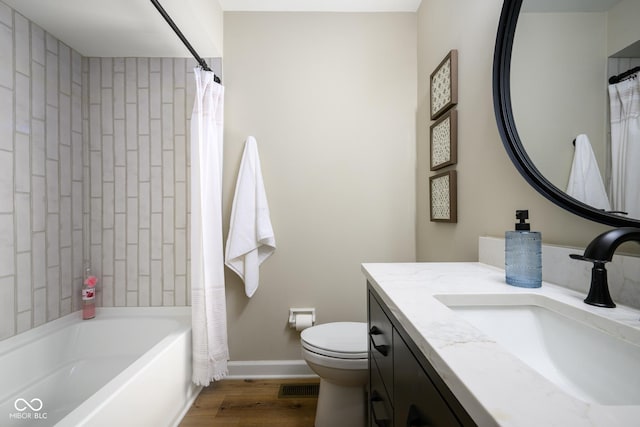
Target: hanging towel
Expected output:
[585,181]
[251,240]
[208,302]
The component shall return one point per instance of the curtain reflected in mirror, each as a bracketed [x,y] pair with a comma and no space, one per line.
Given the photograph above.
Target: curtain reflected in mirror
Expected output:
[564,53]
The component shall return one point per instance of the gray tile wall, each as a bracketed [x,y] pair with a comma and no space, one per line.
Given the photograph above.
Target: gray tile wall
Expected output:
[93,171]
[41,176]
[138,130]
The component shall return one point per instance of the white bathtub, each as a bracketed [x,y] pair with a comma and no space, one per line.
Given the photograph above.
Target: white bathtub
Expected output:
[126,367]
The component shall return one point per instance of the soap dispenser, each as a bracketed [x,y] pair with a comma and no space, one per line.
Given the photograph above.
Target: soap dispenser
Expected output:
[523,254]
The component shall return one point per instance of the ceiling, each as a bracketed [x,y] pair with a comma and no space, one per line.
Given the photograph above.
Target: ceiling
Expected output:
[568,5]
[321,5]
[121,28]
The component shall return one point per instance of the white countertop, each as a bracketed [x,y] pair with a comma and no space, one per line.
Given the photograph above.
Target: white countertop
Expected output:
[494,386]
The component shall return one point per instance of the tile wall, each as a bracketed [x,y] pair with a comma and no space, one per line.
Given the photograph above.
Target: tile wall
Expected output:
[93,171]
[40,174]
[137,168]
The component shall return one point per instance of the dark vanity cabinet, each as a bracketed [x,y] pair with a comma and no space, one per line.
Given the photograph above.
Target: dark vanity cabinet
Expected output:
[380,366]
[404,389]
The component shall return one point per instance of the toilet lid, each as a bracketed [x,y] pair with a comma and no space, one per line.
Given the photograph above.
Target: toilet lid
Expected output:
[346,340]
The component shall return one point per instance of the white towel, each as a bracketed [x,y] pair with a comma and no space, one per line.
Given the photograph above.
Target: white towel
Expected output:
[251,240]
[585,181]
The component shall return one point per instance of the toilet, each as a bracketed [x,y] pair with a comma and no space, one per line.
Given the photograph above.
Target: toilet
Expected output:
[337,352]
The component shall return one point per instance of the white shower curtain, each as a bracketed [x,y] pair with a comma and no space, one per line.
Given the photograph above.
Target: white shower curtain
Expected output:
[624,98]
[208,305]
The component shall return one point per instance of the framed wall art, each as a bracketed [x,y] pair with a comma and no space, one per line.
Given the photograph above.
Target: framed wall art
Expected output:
[444,85]
[443,140]
[443,197]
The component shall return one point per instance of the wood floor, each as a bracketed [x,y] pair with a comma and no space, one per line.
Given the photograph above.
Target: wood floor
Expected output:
[251,403]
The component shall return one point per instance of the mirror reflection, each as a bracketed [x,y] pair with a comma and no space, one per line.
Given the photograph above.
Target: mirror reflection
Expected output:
[582,133]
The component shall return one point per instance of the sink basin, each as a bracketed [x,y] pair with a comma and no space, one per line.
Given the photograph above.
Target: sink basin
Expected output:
[589,356]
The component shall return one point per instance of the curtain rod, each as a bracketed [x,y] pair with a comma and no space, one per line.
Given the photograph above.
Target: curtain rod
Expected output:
[623,76]
[174,27]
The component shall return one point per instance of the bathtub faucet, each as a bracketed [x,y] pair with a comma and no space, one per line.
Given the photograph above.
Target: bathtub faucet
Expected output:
[599,252]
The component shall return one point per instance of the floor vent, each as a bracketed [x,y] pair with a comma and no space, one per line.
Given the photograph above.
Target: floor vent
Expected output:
[298,390]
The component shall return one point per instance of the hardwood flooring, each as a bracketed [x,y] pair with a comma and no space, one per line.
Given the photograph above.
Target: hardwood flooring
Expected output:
[251,403]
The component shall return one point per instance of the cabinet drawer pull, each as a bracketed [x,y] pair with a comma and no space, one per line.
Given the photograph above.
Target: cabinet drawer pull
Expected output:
[381,348]
[414,419]
[379,411]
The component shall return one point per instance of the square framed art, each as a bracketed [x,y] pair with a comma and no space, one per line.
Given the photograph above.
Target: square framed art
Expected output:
[444,85]
[443,197]
[443,140]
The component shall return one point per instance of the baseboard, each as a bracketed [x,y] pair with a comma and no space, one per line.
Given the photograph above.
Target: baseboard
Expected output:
[246,369]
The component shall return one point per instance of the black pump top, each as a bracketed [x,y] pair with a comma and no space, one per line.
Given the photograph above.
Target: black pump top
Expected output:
[522,215]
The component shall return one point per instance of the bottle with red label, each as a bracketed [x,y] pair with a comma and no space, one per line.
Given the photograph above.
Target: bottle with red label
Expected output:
[89,296]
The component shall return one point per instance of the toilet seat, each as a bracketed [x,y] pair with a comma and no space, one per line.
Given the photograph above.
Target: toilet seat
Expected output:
[341,340]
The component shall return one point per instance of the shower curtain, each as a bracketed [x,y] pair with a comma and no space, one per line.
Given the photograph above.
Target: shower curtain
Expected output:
[208,305]
[624,98]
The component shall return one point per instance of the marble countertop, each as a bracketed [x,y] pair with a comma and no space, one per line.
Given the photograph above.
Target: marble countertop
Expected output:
[495,387]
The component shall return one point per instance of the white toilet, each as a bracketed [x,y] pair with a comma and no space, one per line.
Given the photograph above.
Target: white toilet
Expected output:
[337,352]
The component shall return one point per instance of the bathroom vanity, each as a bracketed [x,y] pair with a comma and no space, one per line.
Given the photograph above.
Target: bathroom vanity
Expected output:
[529,357]
[405,390]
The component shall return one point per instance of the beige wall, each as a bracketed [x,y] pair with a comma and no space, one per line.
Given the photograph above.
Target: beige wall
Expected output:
[489,187]
[331,100]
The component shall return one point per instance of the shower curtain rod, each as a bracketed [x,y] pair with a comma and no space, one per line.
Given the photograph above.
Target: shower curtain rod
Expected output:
[620,77]
[174,27]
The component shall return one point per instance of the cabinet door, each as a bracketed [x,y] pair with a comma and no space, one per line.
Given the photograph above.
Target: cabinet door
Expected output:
[380,409]
[417,402]
[381,344]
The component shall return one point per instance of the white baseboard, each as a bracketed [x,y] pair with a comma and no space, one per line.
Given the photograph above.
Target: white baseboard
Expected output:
[269,369]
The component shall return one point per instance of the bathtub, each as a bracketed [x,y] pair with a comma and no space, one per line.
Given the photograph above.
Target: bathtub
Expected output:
[128,366]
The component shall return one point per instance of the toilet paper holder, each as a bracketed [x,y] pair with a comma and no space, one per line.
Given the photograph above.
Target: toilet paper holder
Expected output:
[294,312]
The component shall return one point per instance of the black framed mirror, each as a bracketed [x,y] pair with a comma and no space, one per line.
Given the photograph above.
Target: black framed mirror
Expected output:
[521,153]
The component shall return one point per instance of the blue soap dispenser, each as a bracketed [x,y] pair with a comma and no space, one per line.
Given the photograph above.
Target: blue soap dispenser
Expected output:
[523,254]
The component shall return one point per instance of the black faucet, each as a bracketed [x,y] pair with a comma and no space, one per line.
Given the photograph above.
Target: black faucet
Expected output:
[599,252]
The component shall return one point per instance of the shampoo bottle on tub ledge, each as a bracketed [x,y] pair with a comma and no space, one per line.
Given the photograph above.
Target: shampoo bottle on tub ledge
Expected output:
[89,296]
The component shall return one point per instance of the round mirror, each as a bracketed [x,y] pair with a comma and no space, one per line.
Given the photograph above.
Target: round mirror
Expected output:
[572,134]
